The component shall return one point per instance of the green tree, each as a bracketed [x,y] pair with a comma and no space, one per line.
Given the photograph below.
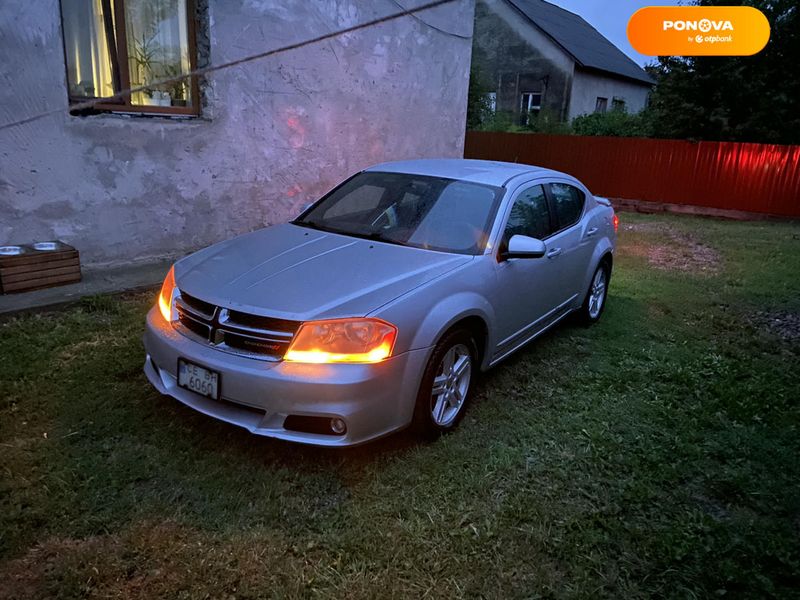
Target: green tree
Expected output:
[741,98]
[479,109]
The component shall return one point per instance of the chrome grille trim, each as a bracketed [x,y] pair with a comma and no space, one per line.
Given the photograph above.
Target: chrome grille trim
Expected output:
[183,305]
[225,319]
[188,304]
[219,331]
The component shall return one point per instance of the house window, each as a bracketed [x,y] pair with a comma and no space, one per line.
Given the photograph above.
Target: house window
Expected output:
[115,45]
[618,104]
[601,105]
[530,102]
[491,101]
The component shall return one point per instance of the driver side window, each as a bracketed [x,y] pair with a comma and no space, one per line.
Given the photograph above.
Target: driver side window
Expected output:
[530,215]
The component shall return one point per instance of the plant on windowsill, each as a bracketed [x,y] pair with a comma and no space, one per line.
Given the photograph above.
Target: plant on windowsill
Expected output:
[143,57]
[177,89]
[179,95]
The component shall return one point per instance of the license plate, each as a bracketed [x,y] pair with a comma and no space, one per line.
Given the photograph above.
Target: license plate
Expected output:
[198,379]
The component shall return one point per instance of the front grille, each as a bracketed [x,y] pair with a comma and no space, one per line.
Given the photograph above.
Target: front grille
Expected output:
[234,331]
[198,306]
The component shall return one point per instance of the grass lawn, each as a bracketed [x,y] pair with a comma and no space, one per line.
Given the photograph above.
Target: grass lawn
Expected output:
[654,454]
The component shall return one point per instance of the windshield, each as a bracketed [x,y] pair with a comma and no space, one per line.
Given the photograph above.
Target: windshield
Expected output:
[411,210]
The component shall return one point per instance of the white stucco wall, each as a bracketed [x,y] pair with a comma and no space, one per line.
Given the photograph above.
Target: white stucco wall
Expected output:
[277,133]
[586,87]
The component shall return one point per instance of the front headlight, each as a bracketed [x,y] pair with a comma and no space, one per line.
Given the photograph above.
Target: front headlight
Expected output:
[343,341]
[166,298]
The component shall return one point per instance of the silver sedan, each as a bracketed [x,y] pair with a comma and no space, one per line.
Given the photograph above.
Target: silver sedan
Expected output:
[377,307]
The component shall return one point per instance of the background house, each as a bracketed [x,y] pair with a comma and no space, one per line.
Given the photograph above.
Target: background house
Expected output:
[536,56]
[177,167]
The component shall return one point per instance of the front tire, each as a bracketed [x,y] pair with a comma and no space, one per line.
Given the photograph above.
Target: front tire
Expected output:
[596,295]
[446,384]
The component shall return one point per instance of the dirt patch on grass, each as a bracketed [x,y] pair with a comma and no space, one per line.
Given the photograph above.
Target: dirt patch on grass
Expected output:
[679,250]
[783,324]
[688,255]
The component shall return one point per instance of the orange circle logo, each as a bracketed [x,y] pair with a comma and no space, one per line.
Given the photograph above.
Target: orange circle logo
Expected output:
[698,30]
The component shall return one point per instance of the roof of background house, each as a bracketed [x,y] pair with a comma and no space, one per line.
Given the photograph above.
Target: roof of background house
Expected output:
[583,42]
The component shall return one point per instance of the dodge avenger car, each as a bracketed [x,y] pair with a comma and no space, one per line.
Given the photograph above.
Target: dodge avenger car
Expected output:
[377,307]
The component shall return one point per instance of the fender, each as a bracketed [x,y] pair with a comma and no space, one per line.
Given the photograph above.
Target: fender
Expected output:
[604,246]
[449,311]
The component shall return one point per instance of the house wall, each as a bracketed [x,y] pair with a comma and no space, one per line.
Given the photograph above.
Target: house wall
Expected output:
[274,134]
[587,86]
[513,56]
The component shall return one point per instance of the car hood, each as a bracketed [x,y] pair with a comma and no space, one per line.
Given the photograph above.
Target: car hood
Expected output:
[293,272]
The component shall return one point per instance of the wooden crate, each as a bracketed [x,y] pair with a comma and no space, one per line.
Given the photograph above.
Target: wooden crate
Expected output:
[34,269]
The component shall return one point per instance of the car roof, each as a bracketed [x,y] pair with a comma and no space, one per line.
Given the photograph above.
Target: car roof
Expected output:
[477,171]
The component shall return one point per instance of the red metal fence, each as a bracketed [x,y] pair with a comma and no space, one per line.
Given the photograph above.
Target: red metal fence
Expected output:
[762,178]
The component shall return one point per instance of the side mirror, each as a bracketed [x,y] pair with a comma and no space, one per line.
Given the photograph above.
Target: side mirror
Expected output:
[522,246]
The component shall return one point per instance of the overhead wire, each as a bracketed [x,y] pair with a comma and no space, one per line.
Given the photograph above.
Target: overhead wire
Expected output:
[431,25]
[89,104]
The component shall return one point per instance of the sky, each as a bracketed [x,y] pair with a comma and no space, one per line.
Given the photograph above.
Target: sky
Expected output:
[610,17]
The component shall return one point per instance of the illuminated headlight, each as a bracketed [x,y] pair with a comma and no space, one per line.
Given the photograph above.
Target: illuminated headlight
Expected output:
[343,341]
[166,298]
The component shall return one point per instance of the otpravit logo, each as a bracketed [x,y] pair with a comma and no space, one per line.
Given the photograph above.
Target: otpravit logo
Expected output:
[698,30]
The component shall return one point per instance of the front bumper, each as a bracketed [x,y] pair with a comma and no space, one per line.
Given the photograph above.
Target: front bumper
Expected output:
[373,400]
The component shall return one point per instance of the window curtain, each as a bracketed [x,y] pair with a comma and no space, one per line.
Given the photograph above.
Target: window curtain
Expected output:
[87,52]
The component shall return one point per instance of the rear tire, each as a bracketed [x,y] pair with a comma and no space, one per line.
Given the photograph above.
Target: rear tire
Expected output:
[596,295]
[446,385]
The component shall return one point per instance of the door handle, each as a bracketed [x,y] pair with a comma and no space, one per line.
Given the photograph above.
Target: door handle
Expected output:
[553,253]
[591,232]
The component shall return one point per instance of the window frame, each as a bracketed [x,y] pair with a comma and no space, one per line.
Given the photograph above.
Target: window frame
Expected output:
[495,246]
[530,106]
[525,110]
[491,98]
[554,214]
[601,107]
[517,195]
[124,105]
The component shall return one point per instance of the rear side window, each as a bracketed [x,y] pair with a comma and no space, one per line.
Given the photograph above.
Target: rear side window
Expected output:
[567,204]
[530,215]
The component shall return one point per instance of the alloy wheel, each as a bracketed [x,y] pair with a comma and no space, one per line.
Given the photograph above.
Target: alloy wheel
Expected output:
[597,293]
[451,385]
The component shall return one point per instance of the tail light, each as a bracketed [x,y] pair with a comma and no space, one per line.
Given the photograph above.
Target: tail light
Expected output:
[616,223]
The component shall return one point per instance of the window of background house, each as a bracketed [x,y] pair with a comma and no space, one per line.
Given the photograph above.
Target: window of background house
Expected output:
[491,100]
[529,216]
[530,102]
[114,45]
[601,105]
[618,104]
[567,203]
